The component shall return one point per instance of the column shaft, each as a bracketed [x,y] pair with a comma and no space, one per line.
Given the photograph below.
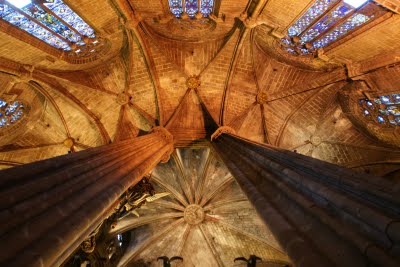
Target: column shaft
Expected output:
[322,214]
[48,208]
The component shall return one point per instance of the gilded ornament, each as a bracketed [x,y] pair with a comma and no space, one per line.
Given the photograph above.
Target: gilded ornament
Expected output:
[261,98]
[193,214]
[123,98]
[69,142]
[193,82]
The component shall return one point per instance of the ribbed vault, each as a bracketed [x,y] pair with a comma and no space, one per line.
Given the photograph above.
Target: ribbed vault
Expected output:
[206,218]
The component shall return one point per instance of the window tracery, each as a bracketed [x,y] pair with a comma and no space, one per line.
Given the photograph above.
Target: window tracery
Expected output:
[325,22]
[384,110]
[53,22]
[10,113]
[191,7]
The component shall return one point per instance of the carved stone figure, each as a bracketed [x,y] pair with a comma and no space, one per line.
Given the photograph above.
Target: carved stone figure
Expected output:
[137,196]
[251,262]
[167,261]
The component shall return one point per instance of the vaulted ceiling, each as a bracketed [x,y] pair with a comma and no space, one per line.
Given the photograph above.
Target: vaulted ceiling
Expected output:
[225,225]
[246,82]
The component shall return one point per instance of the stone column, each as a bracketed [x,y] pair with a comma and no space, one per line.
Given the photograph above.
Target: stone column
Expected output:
[320,213]
[49,207]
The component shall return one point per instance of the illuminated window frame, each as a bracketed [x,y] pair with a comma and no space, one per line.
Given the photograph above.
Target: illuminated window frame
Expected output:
[327,21]
[384,110]
[53,22]
[191,8]
[10,113]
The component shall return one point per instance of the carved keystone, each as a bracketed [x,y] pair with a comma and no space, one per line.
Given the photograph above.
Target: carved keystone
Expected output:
[193,214]
[168,137]
[261,98]
[69,142]
[122,98]
[316,140]
[193,82]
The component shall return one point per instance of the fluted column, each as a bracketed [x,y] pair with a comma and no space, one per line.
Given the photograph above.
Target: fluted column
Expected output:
[320,213]
[48,208]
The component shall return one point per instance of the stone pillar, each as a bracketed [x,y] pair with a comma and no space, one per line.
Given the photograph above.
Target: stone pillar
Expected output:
[320,213]
[49,207]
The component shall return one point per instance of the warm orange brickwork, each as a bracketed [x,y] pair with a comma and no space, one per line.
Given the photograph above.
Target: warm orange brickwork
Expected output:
[234,63]
[393,5]
[247,82]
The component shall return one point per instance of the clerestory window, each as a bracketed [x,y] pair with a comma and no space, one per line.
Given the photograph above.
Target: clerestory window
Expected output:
[51,21]
[191,7]
[384,110]
[10,113]
[327,21]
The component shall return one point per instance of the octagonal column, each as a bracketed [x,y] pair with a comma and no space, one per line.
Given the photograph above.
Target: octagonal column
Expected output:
[320,213]
[48,208]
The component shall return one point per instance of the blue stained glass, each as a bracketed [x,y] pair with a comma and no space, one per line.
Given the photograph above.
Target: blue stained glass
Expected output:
[39,14]
[385,108]
[191,7]
[394,110]
[317,9]
[291,50]
[52,23]
[396,98]
[12,108]
[70,17]
[3,122]
[385,99]
[4,10]
[52,3]
[355,3]
[286,41]
[353,22]
[326,22]
[206,7]
[383,112]
[19,3]
[3,103]
[176,7]
[36,30]
[10,112]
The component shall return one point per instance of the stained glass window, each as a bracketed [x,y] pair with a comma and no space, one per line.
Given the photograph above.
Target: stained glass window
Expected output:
[191,7]
[176,7]
[325,22]
[206,7]
[384,109]
[52,21]
[10,113]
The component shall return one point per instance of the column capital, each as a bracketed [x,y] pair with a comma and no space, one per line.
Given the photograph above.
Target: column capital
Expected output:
[169,138]
[222,130]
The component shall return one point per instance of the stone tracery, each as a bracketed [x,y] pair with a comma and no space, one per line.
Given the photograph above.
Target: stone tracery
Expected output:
[10,113]
[383,109]
[327,21]
[56,24]
[280,108]
[191,8]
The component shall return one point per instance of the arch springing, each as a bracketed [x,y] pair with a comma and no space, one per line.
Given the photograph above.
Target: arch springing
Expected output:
[51,21]
[327,21]
[10,113]
[384,110]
